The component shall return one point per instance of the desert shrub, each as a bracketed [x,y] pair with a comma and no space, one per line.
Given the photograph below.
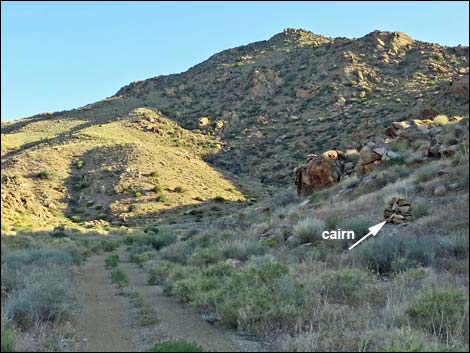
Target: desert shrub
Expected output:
[161,197]
[42,257]
[352,155]
[158,189]
[119,277]
[439,310]
[331,222]
[75,218]
[140,253]
[137,299]
[176,346]
[420,210]
[180,189]
[219,198]
[387,254]
[240,248]
[205,257]
[78,164]
[441,120]
[8,339]
[454,245]
[147,316]
[109,245]
[409,340]
[152,229]
[360,225]
[43,294]
[137,194]
[112,261]
[44,175]
[309,230]
[159,273]
[58,232]
[178,252]
[159,241]
[283,199]
[347,286]
[260,299]
[254,298]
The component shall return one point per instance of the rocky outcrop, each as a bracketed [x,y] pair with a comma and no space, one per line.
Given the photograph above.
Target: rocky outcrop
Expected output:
[319,172]
[373,155]
[460,83]
[398,210]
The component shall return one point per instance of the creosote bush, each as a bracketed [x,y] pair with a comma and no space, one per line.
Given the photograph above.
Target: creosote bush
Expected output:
[112,261]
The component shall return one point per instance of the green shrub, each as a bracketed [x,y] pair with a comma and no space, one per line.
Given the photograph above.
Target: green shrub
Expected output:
[176,346]
[309,230]
[112,261]
[439,310]
[140,253]
[8,340]
[152,229]
[205,257]
[240,248]
[420,210]
[137,194]
[347,286]
[158,189]
[386,254]
[408,340]
[159,241]
[109,245]
[178,252]
[358,224]
[119,277]
[78,164]
[75,218]
[159,273]
[161,197]
[257,298]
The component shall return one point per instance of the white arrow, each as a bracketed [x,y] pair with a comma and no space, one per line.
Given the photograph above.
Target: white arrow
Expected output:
[372,230]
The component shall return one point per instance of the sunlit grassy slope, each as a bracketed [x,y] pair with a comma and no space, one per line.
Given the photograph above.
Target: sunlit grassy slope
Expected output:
[123,172]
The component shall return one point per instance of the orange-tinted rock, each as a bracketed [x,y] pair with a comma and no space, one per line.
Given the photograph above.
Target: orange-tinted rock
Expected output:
[318,173]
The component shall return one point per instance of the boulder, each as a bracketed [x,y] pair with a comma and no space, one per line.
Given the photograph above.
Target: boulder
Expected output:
[204,121]
[319,172]
[369,159]
[459,85]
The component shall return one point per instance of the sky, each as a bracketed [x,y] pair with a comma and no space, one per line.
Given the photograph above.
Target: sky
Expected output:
[62,55]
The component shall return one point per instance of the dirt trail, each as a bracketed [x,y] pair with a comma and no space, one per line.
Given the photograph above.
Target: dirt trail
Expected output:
[179,322]
[108,320]
[104,323]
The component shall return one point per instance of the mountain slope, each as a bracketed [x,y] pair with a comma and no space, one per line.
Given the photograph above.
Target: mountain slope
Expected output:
[247,116]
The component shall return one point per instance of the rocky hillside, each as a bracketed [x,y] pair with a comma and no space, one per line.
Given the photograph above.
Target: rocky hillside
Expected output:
[232,127]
